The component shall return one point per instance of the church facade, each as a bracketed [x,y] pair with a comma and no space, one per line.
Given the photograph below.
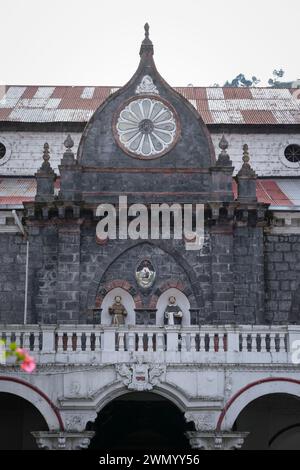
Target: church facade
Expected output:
[142,342]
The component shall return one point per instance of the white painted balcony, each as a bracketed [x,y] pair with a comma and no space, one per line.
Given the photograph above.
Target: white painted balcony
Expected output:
[96,344]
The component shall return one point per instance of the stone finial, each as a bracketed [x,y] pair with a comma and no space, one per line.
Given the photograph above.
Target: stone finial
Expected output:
[46,152]
[68,156]
[147,46]
[246,170]
[246,156]
[223,159]
[223,144]
[46,167]
[246,179]
[45,178]
[69,142]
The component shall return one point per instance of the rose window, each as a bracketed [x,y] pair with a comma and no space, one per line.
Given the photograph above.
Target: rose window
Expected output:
[146,127]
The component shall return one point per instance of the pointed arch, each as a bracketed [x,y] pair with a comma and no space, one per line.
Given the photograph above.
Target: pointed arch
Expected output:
[166,247]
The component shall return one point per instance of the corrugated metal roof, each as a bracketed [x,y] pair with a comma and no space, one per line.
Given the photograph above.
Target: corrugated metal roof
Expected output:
[276,192]
[216,105]
[13,191]
[291,188]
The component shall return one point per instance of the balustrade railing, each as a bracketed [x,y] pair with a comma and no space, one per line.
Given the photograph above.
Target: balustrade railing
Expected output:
[242,342]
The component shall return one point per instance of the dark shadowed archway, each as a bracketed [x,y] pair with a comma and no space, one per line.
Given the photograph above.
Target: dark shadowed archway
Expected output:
[18,418]
[273,423]
[140,421]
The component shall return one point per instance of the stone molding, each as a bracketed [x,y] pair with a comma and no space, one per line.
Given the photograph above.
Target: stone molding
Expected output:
[63,440]
[204,440]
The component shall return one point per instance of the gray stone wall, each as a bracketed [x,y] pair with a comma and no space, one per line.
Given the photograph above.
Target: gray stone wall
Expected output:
[43,294]
[282,273]
[240,277]
[249,275]
[12,277]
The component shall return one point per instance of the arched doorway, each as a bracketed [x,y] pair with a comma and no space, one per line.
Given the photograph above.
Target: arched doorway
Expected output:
[140,421]
[18,418]
[273,422]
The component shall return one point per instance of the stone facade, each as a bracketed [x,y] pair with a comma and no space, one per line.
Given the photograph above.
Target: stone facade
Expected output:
[238,292]
[12,277]
[255,276]
[282,271]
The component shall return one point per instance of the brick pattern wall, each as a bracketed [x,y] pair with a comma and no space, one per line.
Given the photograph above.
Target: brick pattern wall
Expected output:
[249,275]
[42,288]
[266,150]
[26,150]
[244,277]
[12,278]
[282,273]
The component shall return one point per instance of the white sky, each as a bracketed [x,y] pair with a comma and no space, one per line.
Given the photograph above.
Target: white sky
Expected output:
[96,42]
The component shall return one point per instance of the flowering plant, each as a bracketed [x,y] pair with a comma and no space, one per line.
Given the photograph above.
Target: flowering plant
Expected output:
[27,362]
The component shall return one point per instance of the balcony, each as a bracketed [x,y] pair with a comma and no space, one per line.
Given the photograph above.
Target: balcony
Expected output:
[88,344]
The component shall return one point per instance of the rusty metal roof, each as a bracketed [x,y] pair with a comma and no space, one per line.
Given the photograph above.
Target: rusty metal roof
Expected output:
[276,192]
[216,105]
[13,191]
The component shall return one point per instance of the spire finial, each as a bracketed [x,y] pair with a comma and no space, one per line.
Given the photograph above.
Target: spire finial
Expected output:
[246,169]
[69,142]
[68,156]
[46,167]
[45,178]
[46,153]
[224,159]
[147,46]
[223,144]
[246,156]
[246,180]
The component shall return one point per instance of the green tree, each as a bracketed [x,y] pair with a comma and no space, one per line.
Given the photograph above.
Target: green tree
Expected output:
[241,81]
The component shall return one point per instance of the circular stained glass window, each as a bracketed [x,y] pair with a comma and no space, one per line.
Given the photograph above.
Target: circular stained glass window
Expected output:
[147,128]
[292,153]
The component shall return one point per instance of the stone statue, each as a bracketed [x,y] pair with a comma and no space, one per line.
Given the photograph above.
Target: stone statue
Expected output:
[118,312]
[173,314]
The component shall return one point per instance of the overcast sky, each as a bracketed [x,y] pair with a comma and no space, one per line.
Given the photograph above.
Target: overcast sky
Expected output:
[96,42]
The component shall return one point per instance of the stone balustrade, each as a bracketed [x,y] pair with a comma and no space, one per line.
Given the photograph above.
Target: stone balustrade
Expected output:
[195,344]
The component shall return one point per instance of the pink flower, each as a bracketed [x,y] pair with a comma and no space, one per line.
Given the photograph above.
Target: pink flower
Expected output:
[28,364]
[21,352]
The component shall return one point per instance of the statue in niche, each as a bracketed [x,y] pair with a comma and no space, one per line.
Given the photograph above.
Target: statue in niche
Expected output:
[173,313]
[118,312]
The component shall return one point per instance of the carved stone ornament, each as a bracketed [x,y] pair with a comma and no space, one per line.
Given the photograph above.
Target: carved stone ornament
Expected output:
[139,377]
[74,423]
[51,440]
[145,274]
[202,422]
[146,87]
[146,127]
[205,440]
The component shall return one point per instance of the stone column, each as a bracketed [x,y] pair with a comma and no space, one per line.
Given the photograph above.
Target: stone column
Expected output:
[222,274]
[55,440]
[210,440]
[68,266]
